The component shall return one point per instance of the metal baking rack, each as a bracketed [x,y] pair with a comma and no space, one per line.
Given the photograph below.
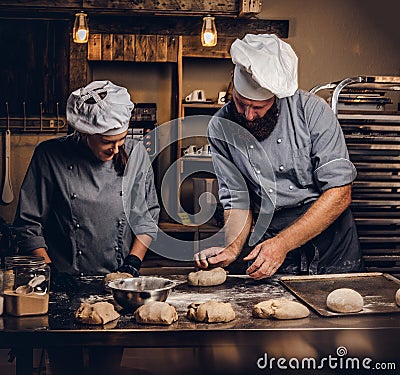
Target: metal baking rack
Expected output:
[33,124]
[373,142]
[367,83]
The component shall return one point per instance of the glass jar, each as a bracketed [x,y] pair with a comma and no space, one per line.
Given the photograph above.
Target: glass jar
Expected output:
[26,285]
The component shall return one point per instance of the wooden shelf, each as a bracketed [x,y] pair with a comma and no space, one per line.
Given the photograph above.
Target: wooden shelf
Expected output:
[201,105]
[181,228]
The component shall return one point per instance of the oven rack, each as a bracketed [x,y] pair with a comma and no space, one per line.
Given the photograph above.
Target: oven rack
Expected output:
[373,142]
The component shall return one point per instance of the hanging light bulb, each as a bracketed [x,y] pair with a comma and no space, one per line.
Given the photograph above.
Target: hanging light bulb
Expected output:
[209,32]
[81,28]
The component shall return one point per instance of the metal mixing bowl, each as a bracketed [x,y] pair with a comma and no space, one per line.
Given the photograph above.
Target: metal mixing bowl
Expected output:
[136,291]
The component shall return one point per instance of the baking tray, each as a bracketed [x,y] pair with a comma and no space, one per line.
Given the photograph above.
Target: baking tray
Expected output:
[378,290]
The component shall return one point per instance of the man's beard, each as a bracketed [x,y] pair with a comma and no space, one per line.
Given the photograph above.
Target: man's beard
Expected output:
[260,128]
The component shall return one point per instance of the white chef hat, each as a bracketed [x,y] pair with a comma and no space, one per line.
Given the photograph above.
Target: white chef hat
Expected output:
[264,66]
[99,108]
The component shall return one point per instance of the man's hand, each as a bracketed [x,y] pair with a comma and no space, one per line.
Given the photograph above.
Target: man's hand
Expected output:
[268,255]
[216,257]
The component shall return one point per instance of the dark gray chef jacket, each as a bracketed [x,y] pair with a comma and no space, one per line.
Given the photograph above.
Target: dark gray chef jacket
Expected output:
[75,206]
[304,156]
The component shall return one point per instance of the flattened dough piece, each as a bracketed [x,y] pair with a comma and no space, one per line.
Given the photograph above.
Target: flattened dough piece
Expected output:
[156,312]
[281,308]
[345,300]
[398,297]
[115,276]
[211,312]
[215,276]
[96,313]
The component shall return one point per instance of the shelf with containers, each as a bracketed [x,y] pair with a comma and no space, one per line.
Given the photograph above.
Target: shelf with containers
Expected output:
[195,173]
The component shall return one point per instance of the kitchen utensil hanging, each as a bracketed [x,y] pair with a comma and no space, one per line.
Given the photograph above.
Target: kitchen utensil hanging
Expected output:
[7,195]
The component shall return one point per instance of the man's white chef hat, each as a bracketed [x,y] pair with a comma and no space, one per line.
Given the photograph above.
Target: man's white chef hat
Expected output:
[99,108]
[264,66]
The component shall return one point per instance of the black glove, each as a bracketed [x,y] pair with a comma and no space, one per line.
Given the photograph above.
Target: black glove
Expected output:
[131,265]
[62,281]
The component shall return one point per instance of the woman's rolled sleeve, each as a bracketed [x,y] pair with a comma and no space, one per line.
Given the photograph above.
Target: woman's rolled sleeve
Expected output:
[27,246]
[337,172]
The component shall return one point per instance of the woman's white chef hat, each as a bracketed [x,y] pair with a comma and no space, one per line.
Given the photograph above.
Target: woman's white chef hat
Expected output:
[264,66]
[99,108]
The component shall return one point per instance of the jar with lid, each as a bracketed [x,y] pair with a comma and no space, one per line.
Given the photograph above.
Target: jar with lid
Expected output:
[26,285]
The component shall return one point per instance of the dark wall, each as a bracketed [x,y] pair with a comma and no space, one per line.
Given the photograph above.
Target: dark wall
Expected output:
[34,65]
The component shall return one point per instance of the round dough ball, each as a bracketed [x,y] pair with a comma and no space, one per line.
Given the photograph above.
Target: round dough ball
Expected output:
[345,300]
[398,297]
[114,276]
[211,312]
[156,312]
[280,309]
[215,276]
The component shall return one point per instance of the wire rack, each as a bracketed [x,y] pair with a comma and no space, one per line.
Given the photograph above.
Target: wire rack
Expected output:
[33,124]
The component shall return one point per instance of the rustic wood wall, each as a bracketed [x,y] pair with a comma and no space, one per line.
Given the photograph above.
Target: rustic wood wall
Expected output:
[34,65]
[41,64]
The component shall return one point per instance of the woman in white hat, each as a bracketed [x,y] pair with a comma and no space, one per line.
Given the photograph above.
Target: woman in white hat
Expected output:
[76,202]
[88,204]
[282,162]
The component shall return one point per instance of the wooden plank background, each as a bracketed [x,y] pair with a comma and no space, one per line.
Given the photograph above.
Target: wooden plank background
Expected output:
[130,47]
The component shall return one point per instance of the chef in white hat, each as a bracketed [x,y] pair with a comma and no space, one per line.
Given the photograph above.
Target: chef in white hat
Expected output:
[88,204]
[72,208]
[290,175]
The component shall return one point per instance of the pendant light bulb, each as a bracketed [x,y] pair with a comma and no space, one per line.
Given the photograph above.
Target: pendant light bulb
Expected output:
[81,28]
[209,32]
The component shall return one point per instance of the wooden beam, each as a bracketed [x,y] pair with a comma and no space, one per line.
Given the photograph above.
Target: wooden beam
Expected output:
[228,8]
[164,7]
[192,47]
[229,27]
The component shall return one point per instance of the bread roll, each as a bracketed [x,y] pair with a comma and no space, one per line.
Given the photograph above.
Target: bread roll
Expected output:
[212,277]
[345,300]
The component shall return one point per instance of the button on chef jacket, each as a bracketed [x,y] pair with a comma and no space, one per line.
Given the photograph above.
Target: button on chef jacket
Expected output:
[304,156]
[73,204]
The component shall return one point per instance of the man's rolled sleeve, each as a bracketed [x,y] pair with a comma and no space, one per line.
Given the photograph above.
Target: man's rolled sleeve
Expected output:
[337,172]
[234,199]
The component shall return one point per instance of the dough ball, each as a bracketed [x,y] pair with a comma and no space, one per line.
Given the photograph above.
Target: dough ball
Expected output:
[215,276]
[345,300]
[114,276]
[156,312]
[280,309]
[96,313]
[211,312]
[398,297]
